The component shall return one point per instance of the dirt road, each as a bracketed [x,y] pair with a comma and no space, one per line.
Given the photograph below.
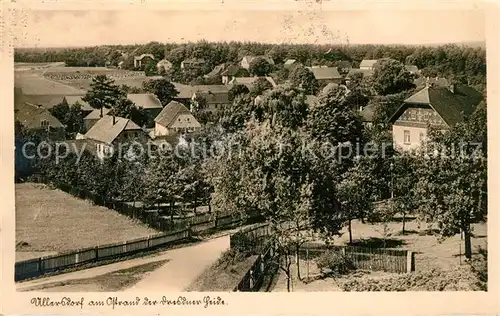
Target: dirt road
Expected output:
[182,267]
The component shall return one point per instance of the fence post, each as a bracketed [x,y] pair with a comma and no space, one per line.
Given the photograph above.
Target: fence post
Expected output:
[96,249]
[40,264]
[149,241]
[410,261]
[77,257]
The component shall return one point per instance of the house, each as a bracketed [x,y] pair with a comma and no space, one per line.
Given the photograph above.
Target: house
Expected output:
[412,69]
[185,92]
[143,59]
[368,64]
[163,65]
[249,81]
[364,73]
[437,106]
[148,102]
[192,63]
[326,74]
[233,71]
[216,96]
[247,60]
[36,117]
[343,66]
[93,117]
[216,72]
[109,133]
[367,114]
[72,100]
[289,63]
[422,82]
[174,119]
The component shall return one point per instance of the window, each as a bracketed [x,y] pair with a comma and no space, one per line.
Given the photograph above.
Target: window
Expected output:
[407,137]
[44,123]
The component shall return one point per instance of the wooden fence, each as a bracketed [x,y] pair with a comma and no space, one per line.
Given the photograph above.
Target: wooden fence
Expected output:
[374,259]
[252,280]
[40,266]
[198,223]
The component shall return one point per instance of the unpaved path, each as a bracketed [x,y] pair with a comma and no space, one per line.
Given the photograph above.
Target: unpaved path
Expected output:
[183,266]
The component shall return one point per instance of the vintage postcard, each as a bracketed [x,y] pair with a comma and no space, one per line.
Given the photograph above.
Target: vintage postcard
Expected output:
[171,158]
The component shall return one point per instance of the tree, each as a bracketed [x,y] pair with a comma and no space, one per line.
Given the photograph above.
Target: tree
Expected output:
[237,89]
[391,76]
[284,106]
[452,178]
[70,116]
[103,93]
[259,66]
[303,78]
[260,86]
[127,109]
[356,191]
[162,88]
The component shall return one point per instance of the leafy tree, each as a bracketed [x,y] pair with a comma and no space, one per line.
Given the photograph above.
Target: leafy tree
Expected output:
[391,76]
[259,66]
[285,106]
[162,88]
[355,191]
[303,78]
[127,109]
[103,93]
[70,116]
[452,178]
[236,90]
[260,86]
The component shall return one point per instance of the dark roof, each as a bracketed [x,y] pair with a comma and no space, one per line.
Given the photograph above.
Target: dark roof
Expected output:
[213,93]
[170,112]
[451,106]
[217,71]
[436,81]
[249,81]
[145,100]
[185,91]
[105,131]
[74,99]
[325,73]
[31,116]
[233,70]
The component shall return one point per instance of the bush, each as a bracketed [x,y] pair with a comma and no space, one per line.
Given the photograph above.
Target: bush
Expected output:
[479,266]
[336,262]
[459,279]
[230,257]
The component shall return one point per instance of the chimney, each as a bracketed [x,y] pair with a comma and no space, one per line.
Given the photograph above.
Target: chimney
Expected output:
[114,119]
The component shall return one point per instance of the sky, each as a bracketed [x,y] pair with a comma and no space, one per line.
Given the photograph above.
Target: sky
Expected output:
[50,28]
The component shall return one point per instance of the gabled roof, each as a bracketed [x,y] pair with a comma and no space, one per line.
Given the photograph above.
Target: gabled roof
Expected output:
[170,112]
[249,81]
[290,61]
[249,59]
[364,72]
[163,61]
[73,100]
[105,131]
[31,116]
[185,91]
[325,73]
[96,114]
[143,56]
[451,106]
[217,71]
[368,63]
[232,70]
[145,100]
[215,88]
[435,81]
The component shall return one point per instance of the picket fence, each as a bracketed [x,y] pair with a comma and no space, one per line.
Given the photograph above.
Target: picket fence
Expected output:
[36,267]
[374,259]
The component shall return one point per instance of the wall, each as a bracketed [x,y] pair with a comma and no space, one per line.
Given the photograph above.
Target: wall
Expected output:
[398,136]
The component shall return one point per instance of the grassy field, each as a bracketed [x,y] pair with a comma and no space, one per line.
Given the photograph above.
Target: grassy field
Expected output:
[50,220]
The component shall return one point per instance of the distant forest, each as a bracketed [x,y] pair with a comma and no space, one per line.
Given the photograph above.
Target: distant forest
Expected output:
[458,63]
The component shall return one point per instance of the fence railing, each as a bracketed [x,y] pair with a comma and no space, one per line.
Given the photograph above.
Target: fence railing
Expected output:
[198,223]
[63,261]
[374,259]
[252,280]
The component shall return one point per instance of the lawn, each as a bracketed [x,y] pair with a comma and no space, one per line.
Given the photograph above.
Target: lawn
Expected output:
[50,221]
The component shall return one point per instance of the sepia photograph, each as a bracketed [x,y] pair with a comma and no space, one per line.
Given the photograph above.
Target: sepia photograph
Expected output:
[250,151]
